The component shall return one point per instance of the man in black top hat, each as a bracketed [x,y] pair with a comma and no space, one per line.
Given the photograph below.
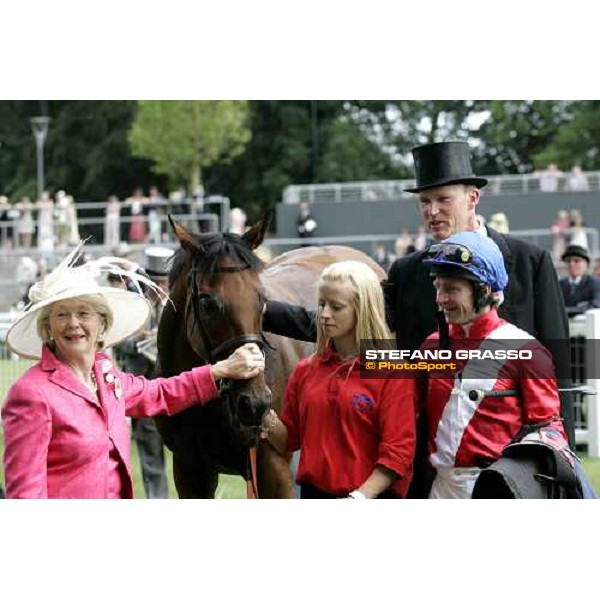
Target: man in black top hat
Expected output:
[449,192]
[580,290]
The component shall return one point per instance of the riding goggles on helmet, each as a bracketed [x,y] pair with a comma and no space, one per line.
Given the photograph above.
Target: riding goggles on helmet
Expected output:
[474,255]
[458,259]
[452,253]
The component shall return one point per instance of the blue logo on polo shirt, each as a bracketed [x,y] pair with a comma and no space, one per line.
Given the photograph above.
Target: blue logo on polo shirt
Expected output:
[363,403]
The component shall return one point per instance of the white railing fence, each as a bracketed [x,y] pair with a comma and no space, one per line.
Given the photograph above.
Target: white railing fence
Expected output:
[355,191]
[592,320]
[209,216]
[584,331]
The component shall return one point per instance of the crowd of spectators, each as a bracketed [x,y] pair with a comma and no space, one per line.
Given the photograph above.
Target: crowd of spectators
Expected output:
[52,222]
[550,179]
[54,219]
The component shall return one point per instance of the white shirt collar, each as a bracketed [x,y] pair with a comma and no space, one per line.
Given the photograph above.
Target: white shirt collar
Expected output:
[480,229]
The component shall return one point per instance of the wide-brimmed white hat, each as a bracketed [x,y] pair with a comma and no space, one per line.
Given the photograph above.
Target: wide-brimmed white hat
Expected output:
[130,310]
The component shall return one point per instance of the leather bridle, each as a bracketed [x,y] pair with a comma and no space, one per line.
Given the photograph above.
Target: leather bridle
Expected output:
[225,349]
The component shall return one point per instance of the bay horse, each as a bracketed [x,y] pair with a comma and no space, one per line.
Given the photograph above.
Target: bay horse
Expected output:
[218,289]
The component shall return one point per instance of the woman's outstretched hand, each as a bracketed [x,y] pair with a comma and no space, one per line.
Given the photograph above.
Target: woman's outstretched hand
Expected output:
[245,363]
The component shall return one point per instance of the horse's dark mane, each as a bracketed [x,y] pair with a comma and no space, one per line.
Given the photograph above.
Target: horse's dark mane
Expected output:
[215,246]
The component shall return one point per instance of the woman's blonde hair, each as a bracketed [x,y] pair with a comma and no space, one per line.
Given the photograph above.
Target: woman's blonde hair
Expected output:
[368,301]
[96,302]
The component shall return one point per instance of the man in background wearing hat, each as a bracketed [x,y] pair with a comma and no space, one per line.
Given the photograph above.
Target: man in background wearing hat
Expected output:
[581,291]
[133,359]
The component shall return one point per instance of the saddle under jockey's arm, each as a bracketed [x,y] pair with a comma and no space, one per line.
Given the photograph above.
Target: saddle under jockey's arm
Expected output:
[290,320]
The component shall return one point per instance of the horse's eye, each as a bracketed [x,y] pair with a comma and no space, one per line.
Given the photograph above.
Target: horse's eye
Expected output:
[208,304]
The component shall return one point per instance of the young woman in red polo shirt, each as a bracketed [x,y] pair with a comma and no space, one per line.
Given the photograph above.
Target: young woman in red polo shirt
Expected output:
[356,435]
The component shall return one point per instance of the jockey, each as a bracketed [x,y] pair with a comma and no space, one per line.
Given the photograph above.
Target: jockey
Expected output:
[472,416]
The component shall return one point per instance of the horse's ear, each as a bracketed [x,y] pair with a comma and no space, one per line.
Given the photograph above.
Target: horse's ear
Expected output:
[185,237]
[256,234]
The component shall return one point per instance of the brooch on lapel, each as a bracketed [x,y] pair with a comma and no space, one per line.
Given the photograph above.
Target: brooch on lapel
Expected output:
[111,380]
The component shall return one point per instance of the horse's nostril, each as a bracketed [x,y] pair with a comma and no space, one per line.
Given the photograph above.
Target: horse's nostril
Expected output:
[251,410]
[245,404]
[245,401]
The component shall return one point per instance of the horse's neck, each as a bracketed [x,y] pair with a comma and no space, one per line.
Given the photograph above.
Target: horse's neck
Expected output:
[176,354]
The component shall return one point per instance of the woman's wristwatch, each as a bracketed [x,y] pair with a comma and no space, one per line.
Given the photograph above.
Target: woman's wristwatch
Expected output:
[357,495]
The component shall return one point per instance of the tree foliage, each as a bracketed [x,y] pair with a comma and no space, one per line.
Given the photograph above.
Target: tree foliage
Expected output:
[576,140]
[250,151]
[351,155]
[399,125]
[183,137]
[86,150]
[296,142]
[516,131]
[17,148]
[285,148]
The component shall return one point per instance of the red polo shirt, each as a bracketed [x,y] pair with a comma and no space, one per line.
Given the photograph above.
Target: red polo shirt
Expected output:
[346,425]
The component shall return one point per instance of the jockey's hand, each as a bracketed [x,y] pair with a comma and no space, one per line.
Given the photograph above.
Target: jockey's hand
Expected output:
[245,363]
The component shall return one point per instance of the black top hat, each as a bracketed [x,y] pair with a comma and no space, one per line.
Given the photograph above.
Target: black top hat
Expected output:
[443,163]
[574,250]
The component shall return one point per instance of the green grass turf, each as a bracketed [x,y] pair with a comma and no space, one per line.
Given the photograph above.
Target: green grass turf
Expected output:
[229,486]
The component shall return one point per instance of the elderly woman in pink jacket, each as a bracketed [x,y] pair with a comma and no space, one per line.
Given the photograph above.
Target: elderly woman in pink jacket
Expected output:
[66,433]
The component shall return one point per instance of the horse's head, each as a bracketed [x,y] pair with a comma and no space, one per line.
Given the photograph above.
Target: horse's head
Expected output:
[224,300]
